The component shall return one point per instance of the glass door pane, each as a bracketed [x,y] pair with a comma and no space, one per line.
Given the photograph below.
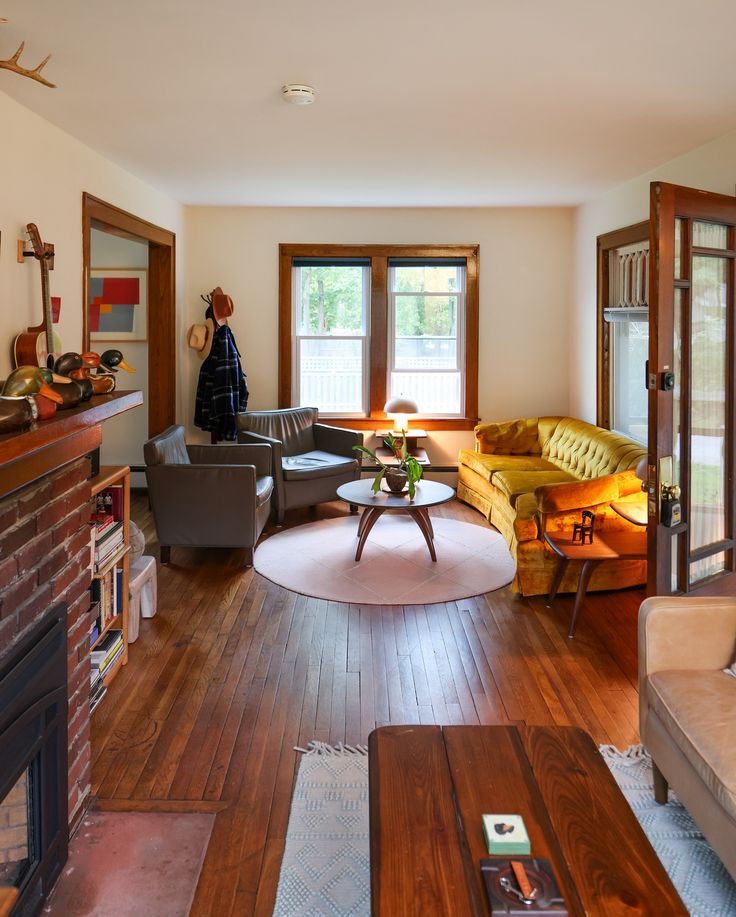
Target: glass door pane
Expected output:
[708,405]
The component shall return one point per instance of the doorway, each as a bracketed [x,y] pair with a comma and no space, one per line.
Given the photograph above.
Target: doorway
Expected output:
[111,233]
[692,408]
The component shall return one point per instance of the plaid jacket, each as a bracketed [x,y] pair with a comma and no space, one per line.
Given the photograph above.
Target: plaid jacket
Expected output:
[222,391]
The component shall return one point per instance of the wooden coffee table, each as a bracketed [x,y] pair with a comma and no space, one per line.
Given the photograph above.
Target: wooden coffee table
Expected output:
[428,493]
[605,546]
[429,786]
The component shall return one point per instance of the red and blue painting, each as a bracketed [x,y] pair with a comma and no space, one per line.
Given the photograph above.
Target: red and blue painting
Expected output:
[117,305]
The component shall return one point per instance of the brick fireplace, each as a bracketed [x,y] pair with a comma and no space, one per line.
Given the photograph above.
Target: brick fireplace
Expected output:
[44,546]
[45,555]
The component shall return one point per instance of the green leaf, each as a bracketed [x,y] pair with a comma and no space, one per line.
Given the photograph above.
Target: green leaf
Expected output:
[377,480]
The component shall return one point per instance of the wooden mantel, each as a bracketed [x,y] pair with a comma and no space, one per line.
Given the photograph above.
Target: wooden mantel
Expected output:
[31,453]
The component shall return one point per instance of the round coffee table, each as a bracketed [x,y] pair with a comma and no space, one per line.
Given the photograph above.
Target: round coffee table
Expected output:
[428,493]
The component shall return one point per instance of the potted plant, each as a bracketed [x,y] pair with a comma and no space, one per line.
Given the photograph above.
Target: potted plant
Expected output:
[397,477]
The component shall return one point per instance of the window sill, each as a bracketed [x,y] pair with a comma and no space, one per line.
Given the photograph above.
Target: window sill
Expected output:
[376,423]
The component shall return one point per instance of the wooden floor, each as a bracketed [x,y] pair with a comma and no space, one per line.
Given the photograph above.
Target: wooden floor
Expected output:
[233,672]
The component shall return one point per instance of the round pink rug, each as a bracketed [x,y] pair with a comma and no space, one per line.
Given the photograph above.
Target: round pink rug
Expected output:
[318,559]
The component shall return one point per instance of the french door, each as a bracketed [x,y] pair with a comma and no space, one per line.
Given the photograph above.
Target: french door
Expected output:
[690,380]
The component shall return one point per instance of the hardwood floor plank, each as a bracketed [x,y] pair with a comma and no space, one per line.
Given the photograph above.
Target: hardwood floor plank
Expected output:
[234,671]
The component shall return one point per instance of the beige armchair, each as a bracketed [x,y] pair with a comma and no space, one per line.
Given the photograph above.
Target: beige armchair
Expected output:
[310,459]
[207,496]
[687,709]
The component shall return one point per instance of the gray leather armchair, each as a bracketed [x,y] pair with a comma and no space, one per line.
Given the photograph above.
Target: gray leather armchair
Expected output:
[207,496]
[310,459]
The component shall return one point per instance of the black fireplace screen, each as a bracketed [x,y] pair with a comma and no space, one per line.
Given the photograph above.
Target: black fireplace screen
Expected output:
[33,762]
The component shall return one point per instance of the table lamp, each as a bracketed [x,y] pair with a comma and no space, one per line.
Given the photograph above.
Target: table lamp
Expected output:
[398,409]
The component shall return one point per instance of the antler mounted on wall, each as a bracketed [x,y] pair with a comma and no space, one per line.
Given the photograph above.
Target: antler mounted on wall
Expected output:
[13,64]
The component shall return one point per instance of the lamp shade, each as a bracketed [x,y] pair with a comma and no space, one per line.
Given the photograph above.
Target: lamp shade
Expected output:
[401,405]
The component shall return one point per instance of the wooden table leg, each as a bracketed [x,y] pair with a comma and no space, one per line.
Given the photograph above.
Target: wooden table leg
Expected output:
[362,521]
[370,517]
[585,574]
[422,520]
[559,573]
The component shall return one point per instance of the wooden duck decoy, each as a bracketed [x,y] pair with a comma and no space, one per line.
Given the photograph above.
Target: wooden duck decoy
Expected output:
[46,406]
[110,362]
[18,407]
[101,382]
[71,364]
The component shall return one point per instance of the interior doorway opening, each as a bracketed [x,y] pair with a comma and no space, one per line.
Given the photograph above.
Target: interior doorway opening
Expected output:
[100,219]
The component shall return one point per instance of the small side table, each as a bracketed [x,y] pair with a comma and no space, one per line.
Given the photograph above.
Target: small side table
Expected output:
[605,546]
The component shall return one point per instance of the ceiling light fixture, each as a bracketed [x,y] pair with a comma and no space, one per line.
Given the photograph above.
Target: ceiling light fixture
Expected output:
[298,93]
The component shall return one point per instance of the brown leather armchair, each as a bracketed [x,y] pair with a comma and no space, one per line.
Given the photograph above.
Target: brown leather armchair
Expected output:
[310,459]
[207,496]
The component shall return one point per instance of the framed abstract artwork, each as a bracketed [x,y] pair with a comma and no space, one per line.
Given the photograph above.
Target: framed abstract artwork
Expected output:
[118,307]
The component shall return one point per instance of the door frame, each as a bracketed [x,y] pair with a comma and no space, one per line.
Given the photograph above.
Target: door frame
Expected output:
[99,214]
[667,201]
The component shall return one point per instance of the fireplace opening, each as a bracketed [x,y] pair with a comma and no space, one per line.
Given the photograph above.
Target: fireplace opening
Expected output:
[18,834]
[33,761]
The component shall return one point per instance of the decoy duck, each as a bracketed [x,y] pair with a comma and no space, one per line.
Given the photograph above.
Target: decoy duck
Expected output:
[72,365]
[69,390]
[101,382]
[18,406]
[110,362]
[67,363]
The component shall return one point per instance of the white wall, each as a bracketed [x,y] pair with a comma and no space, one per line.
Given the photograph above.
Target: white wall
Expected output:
[525,273]
[711,168]
[126,433]
[44,172]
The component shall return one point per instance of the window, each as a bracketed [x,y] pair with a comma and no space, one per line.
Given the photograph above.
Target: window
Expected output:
[331,336]
[426,341]
[623,331]
[359,325]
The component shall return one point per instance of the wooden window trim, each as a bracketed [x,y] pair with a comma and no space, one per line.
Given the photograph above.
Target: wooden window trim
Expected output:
[628,235]
[379,256]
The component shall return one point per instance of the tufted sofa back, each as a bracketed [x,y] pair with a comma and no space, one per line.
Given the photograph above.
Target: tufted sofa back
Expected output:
[585,450]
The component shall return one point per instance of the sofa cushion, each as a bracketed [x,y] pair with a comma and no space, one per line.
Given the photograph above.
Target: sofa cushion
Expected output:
[315,464]
[264,489]
[510,437]
[587,451]
[514,483]
[697,709]
[487,465]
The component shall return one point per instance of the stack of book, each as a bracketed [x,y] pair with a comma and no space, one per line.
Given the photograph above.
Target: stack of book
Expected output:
[107,539]
[107,593]
[97,690]
[106,653]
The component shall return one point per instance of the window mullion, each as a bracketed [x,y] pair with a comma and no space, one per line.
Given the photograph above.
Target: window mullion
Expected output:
[379,336]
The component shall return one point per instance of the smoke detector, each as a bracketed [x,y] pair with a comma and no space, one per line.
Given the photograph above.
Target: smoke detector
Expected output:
[298,93]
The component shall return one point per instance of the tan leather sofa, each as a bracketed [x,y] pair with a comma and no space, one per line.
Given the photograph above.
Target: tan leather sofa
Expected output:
[687,709]
[538,474]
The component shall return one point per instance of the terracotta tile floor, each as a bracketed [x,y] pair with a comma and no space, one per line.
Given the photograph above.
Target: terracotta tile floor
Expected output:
[132,864]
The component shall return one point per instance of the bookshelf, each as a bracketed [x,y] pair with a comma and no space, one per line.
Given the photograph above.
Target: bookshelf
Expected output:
[110,575]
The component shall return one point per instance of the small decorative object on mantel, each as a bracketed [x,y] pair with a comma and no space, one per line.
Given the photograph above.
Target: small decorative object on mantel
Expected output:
[583,531]
[399,477]
[18,408]
[13,64]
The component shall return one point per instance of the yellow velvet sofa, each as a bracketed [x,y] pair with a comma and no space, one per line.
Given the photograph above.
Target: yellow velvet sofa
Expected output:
[538,474]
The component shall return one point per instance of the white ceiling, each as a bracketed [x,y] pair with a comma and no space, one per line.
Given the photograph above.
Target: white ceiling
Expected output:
[479,102]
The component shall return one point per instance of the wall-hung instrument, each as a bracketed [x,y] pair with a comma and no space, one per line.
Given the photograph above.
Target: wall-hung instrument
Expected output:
[32,346]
